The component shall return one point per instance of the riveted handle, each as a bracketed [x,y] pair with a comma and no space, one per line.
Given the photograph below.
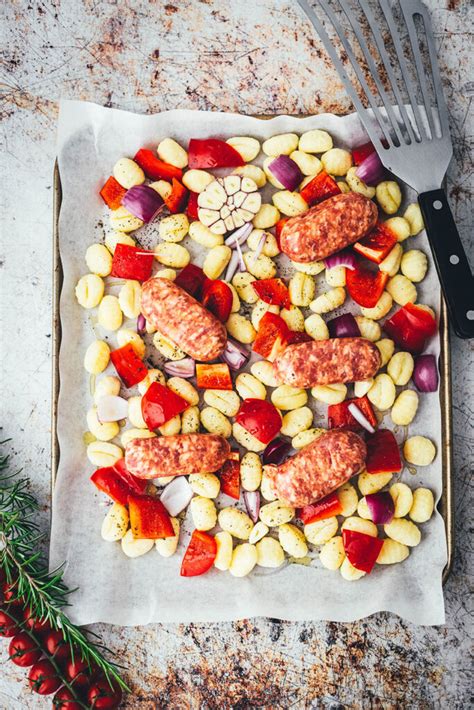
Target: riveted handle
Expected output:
[451,261]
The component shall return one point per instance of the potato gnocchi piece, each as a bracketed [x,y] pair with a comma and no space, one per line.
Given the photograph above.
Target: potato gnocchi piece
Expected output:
[103,431]
[286,397]
[392,261]
[190,421]
[266,217]
[126,336]
[122,220]
[289,203]
[405,407]
[266,488]
[332,553]
[113,238]
[313,268]
[242,283]
[153,375]
[362,387]
[244,559]
[162,187]
[171,427]
[328,301]
[135,413]
[253,172]
[386,349]
[306,437]
[276,513]
[173,255]
[240,328]
[247,147]
[203,513]
[115,523]
[292,540]
[269,553]
[235,522]
[184,389]
[337,161]
[296,420]
[226,401]
[367,527]
[134,547]
[174,227]
[372,482]
[250,471]
[263,371]
[369,329]
[403,531]
[402,290]
[259,531]
[89,290]
[316,327]
[98,260]
[261,266]
[249,387]
[414,218]
[202,235]
[245,439]
[128,173]
[272,179]
[321,531]
[130,434]
[380,309]
[197,180]
[382,393]
[400,368]
[109,384]
[293,318]
[309,164]
[282,144]
[129,299]
[166,547]
[215,422]
[224,544]
[349,572]
[216,261]
[419,451]
[363,509]
[259,311]
[235,308]
[315,141]
[343,186]
[392,552]
[171,152]
[103,453]
[330,394]
[402,497]
[301,289]
[414,265]
[97,357]
[270,245]
[358,185]
[162,274]
[423,505]
[167,348]
[336,276]
[348,499]
[389,196]
[399,227]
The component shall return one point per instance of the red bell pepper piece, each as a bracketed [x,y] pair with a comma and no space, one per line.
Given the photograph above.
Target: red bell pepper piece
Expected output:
[132,263]
[410,327]
[191,279]
[364,286]
[156,169]
[192,208]
[213,377]
[320,188]
[327,507]
[176,200]
[272,291]
[361,152]
[200,554]
[293,337]
[279,227]
[112,193]
[383,454]
[129,366]
[217,298]
[230,478]
[361,550]
[149,518]
[117,482]
[160,404]
[260,418]
[212,153]
[376,245]
[271,337]
[339,416]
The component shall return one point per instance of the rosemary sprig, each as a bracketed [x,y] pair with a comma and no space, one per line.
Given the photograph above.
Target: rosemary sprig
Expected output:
[43,592]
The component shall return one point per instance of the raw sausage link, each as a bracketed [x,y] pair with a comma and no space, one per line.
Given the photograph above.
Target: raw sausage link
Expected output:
[319,468]
[177,455]
[326,362]
[178,316]
[328,227]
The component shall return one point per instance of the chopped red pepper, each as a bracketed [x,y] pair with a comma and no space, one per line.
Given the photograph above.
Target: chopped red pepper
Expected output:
[260,418]
[117,482]
[212,153]
[200,554]
[176,200]
[383,454]
[156,169]
[361,550]
[365,286]
[278,228]
[112,193]
[149,518]
[129,366]
[213,377]
[192,208]
[271,337]
[273,291]
[132,263]
[230,478]
[327,507]
[361,152]
[160,404]
[376,245]
[339,416]
[410,327]
[320,188]
[293,337]
[217,298]
[191,279]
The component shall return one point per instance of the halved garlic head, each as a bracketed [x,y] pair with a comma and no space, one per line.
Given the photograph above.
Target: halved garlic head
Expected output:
[228,203]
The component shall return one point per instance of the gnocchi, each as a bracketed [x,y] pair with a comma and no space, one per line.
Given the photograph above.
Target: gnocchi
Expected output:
[392,261]
[135,547]
[103,453]
[292,540]
[403,531]
[400,368]
[316,327]
[99,259]
[414,265]
[115,523]
[249,387]
[289,203]
[296,420]
[261,266]
[171,152]
[244,559]
[276,513]
[405,407]
[167,546]
[247,147]
[224,552]
[245,438]
[216,261]
[328,301]
[109,314]
[330,394]
[402,290]
[321,531]
[240,328]
[392,552]
[269,553]
[422,507]
[203,513]
[173,255]
[306,437]
[103,431]
[282,144]
[129,299]
[286,397]
[337,161]
[293,318]
[97,357]
[315,141]
[202,235]
[301,289]
[373,482]
[389,196]
[122,220]
[270,245]
[215,422]
[402,497]
[380,309]
[414,218]
[89,291]
[263,371]
[419,451]
[358,185]
[235,522]
[266,217]
[242,283]
[382,393]
[128,173]
[386,348]
[226,401]
[135,413]
[174,228]
[197,180]
[332,553]
[308,164]
[250,471]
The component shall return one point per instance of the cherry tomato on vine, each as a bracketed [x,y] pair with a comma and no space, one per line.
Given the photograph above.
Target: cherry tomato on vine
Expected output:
[23,650]
[43,679]
[104,696]
[8,624]
[64,700]
[8,594]
[78,673]
[35,624]
[56,645]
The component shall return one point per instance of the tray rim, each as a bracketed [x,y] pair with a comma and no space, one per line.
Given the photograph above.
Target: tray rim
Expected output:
[446,501]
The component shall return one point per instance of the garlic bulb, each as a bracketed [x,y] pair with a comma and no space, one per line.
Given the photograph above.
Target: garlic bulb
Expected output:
[228,203]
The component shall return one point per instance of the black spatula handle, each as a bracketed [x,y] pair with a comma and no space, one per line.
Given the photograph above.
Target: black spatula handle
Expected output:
[451,261]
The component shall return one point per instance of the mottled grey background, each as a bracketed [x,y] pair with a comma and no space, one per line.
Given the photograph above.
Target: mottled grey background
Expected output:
[256,56]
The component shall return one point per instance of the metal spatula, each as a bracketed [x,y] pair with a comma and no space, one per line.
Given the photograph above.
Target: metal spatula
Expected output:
[415,132]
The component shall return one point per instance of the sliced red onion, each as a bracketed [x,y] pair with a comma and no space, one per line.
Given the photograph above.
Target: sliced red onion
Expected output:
[235,355]
[286,171]
[232,266]
[276,451]
[141,324]
[252,503]
[111,408]
[341,258]
[425,373]
[259,248]
[371,170]
[180,368]
[143,202]
[381,507]
[360,417]
[242,266]
[176,495]
[344,326]
[240,236]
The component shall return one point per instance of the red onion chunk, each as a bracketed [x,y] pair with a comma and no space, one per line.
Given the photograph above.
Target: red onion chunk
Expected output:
[143,202]
[176,495]
[276,451]
[235,355]
[341,258]
[240,236]
[286,171]
[232,266]
[141,324]
[381,507]
[180,368]
[425,373]
[252,503]
[360,417]
[259,248]
[344,326]
[111,408]
[371,169]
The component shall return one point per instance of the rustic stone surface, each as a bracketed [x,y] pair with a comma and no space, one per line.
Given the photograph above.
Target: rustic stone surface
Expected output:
[252,57]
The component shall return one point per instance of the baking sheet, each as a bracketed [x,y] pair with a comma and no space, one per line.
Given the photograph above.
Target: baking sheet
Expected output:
[115,589]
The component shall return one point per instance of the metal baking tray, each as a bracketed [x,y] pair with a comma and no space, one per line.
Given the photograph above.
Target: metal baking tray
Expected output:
[446,503]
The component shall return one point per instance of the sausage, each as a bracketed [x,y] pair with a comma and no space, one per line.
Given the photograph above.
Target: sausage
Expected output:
[328,227]
[177,455]
[325,362]
[179,317]
[319,468]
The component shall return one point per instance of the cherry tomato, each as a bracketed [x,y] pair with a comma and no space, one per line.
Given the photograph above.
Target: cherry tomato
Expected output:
[23,650]
[200,554]
[56,645]
[103,695]
[8,593]
[34,624]
[43,679]
[261,419]
[8,624]
[78,672]
[64,700]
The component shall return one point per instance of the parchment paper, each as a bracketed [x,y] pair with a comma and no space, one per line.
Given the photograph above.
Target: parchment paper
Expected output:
[113,588]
